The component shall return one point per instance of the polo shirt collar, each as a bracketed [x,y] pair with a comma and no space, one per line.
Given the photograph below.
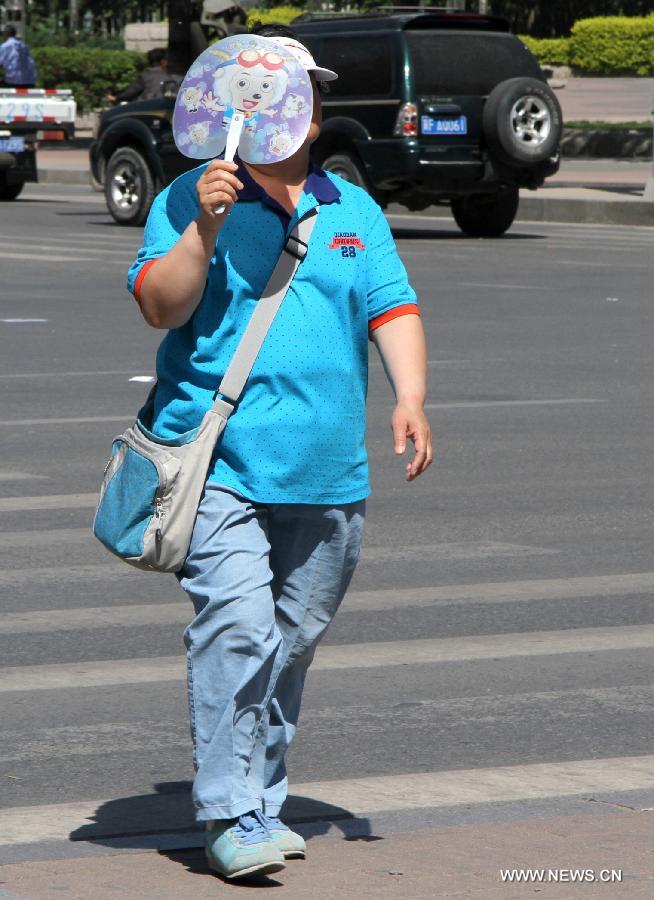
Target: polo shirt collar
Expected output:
[318,183]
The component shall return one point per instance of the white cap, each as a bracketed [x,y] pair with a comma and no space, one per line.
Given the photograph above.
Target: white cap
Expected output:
[305,59]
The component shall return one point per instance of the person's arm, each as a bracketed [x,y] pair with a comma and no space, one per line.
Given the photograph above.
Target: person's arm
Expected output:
[131,92]
[395,327]
[402,347]
[172,287]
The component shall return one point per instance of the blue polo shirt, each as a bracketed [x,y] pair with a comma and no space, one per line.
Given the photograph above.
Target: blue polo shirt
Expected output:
[297,434]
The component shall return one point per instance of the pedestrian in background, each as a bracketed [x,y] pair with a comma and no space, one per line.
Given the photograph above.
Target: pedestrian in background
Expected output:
[278,530]
[149,84]
[19,69]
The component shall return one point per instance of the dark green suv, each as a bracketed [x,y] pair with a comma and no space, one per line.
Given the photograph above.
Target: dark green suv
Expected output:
[440,107]
[428,108]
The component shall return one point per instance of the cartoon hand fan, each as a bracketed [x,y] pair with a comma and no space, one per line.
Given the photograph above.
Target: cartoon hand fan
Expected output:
[248,93]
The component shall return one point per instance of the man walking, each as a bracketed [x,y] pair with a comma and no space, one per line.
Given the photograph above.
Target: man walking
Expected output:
[279,527]
[17,64]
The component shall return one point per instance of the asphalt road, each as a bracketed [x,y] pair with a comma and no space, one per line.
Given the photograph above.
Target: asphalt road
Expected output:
[501,621]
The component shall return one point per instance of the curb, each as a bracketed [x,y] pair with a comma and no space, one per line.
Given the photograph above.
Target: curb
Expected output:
[588,212]
[557,209]
[532,209]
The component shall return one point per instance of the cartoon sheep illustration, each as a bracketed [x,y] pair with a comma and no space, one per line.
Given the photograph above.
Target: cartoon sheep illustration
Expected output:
[252,84]
[294,105]
[280,142]
[192,97]
[199,132]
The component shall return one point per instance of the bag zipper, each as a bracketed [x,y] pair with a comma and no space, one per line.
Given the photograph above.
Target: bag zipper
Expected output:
[159,513]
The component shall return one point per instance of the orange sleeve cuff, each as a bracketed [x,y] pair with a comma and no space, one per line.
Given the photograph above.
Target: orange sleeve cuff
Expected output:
[407,309]
[139,279]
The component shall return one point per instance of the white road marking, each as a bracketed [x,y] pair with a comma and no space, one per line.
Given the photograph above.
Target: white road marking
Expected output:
[48,501]
[106,251]
[382,654]
[603,265]
[41,257]
[37,538]
[49,575]
[87,420]
[20,476]
[511,287]
[481,404]
[65,374]
[71,420]
[177,612]
[504,592]
[146,379]
[451,550]
[23,321]
[100,239]
[359,796]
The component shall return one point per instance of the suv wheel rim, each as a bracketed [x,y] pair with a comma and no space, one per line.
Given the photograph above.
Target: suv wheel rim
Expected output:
[531,121]
[125,187]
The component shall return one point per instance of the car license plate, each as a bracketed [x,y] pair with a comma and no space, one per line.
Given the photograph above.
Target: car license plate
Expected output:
[12,145]
[430,125]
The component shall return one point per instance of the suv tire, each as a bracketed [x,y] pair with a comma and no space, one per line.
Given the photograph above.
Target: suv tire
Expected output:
[10,191]
[347,167]
[486,215]
[522,122]
[129,186]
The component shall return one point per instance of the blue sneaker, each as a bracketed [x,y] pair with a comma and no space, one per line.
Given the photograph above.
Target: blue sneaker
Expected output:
[243,846]
[289,842]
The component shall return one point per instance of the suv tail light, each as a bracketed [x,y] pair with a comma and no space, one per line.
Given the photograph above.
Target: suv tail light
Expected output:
[406,124]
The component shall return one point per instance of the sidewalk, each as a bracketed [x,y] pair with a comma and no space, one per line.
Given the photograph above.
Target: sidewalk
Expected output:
[460,862]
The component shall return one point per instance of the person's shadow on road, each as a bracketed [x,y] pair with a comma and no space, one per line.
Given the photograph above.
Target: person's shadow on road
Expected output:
[165,821]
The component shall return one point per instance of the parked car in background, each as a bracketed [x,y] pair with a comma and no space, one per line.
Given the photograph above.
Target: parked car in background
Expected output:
[435,107]
[28,115]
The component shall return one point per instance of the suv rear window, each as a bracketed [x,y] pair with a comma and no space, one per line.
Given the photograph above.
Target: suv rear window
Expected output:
[364,65]
[466,63]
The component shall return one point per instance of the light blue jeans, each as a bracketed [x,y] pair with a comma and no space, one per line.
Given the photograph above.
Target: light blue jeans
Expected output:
[265,581]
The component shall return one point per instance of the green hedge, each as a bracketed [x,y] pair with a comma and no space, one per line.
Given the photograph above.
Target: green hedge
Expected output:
[613,45]
[549,51]
[90,74]
[281,15]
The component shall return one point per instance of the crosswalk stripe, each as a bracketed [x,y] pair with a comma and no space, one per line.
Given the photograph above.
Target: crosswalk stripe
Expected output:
[506,591]
[41,538]
[483,404]
[78,248]
[445,550]
[51,575]
[356,796]
[21,476]
[48,501]
[383,654]
[75,573]
[42,257]
[177,612]
[66,420]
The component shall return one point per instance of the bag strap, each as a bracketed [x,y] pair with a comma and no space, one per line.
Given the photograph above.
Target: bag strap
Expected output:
[238,371]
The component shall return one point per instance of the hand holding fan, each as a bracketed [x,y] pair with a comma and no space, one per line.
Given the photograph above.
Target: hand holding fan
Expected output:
[248,93]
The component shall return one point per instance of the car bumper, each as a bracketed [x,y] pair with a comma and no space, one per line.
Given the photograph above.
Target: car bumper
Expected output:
[445,170]
[18,167]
